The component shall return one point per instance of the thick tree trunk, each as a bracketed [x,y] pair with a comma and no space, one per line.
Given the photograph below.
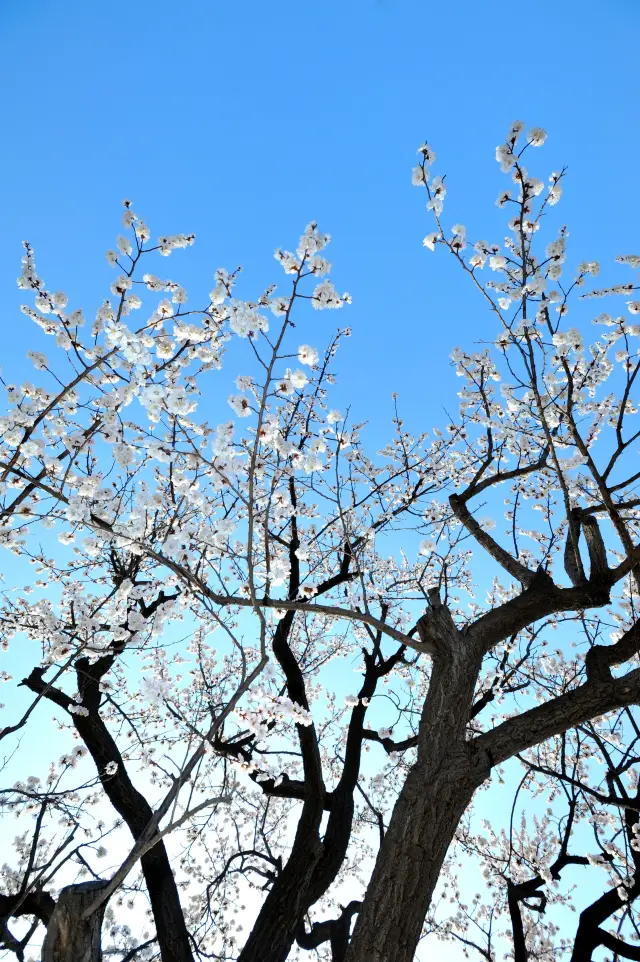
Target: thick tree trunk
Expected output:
[69,937]
[422,826]
[439,788]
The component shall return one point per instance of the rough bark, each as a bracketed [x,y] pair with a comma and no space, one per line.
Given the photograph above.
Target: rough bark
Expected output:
[71,938]
[274,931]
[36,903]
[437,791]
[447,773]
[408,867]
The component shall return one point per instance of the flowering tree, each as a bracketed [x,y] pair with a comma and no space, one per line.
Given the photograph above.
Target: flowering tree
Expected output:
[267,552]
[577,831]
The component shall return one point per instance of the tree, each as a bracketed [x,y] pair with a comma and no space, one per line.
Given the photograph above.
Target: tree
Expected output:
[302,553]
[580,819]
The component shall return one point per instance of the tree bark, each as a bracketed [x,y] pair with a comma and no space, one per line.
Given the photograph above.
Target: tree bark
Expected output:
[314,863]
[71,938]
[422,827]
[437,791]
[447,773]
[274,931]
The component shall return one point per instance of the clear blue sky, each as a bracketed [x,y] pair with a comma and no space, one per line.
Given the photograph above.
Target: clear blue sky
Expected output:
[243,120]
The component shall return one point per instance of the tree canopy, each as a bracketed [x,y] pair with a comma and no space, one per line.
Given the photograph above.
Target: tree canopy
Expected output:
[267,684]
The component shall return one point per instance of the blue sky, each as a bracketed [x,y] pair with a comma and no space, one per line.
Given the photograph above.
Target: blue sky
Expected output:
[243,121]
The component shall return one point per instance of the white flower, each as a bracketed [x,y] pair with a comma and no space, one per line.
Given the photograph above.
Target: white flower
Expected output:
[313,463]
[155,689]
[42,303]
[589,267]
[122,284]
[428,153]
[279,571]
[555,193]
[60,299]
[537,136]
[318,266]
[351,701]
[438,193]
[153,283]
[111,768]
[307,355]
[284,386]
[222,439]
[497,262]
[430,241]
[239,405]
[77,510]
[246,322]
[505,157]
[307,591]
[39,360]
[312,241]
[279,306]
[288,260]
[325,295]
[179,402]
[334,416]
[419,176]
[124,245]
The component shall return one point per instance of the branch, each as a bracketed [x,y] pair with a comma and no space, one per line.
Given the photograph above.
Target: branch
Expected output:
[326,930]
[539,600]
[39,904]
[558,715]
[517,570]
[618,946]
[601,658]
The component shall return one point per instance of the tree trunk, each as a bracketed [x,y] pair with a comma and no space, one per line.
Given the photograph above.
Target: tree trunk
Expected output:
[70,938]
[274,931]
[438,789]
[422,827]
